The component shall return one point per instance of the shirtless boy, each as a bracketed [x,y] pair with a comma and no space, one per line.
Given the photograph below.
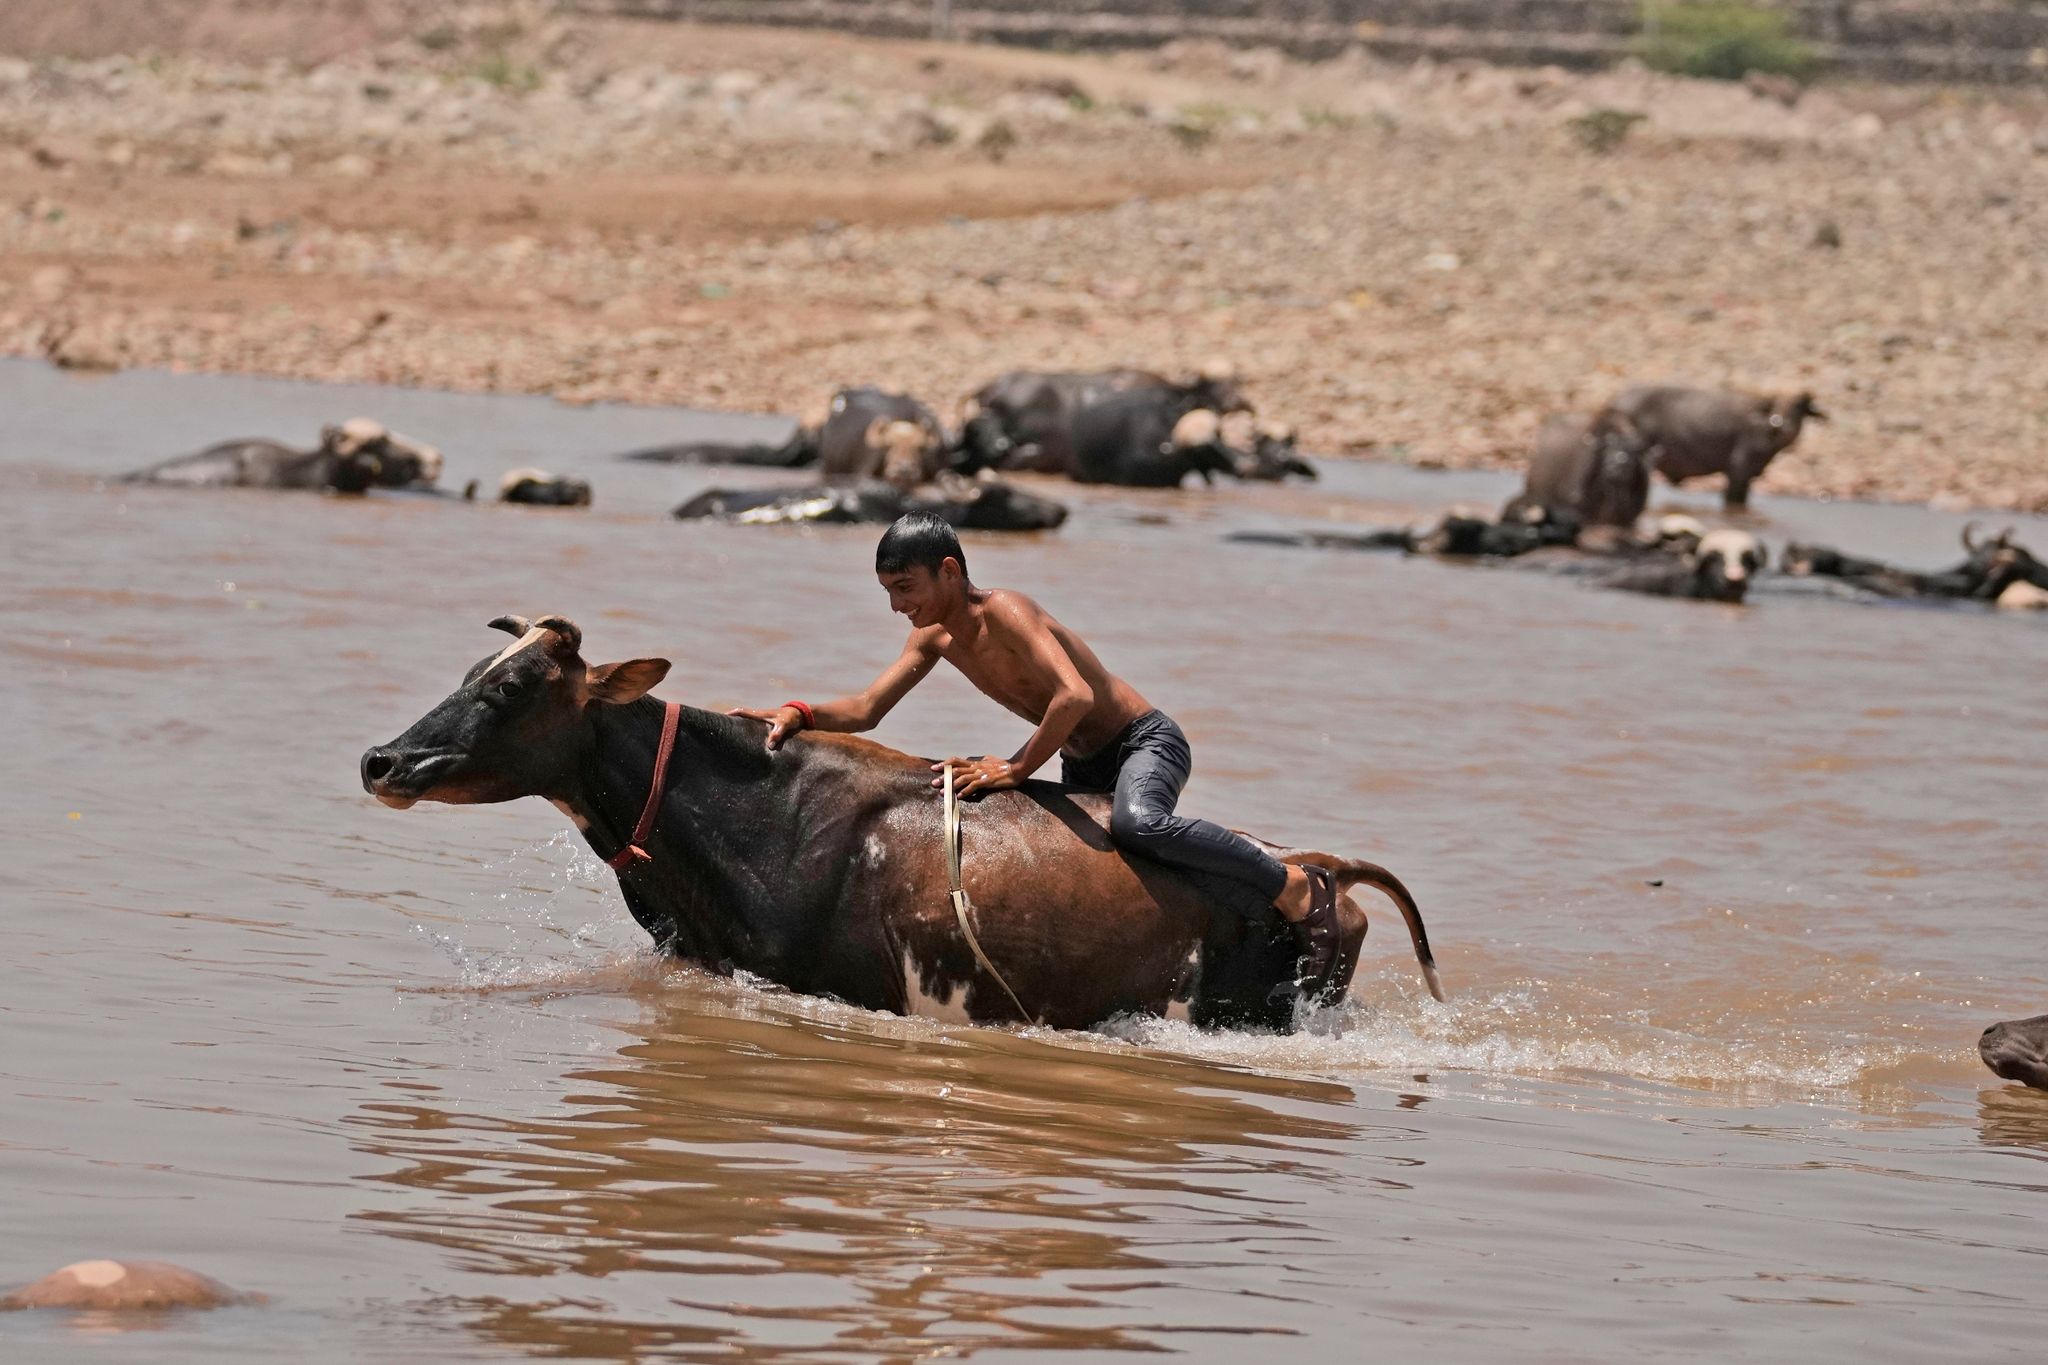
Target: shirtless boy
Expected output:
[1108,737]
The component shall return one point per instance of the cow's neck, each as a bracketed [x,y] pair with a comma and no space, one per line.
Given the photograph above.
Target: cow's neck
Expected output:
[722,845]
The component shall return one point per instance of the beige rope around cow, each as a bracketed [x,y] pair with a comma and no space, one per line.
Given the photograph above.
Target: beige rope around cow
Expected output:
[962,908]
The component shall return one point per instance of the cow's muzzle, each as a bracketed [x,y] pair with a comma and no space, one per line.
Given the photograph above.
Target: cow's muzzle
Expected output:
[397,778]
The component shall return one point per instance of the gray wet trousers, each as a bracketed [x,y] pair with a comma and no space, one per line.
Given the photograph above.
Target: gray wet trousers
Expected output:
[1145,767]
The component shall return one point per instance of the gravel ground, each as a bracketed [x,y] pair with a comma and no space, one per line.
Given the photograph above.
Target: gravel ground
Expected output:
[1417,262]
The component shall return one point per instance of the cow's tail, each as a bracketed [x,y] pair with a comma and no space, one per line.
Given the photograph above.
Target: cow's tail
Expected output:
[1351,873]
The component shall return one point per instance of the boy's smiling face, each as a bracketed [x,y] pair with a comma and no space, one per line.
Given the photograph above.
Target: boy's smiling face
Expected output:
[923,596]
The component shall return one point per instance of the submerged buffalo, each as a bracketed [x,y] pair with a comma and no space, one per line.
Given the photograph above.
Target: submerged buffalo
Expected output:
[1693,433]
[866,433]
[538,488]
[967,504]
[822,865]
[2018,1050]
[1719,567]
[352,457]
[1026,420]
[1594,470]
[1456,535]
[1135,440]
[1998,570]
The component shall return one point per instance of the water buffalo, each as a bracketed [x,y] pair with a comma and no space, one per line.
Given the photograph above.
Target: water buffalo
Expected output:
[352,457]
[2018,1050]
[1140,440]
[821,866]
[983,504]
[870,433]
[539,488]
[1997,570]
[1595,470]
[798,452]
[1696,432]
[1456,535]
[1025,420]
[1719,568]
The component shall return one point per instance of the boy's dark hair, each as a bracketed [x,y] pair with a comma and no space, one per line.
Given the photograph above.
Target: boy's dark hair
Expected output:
[922,539]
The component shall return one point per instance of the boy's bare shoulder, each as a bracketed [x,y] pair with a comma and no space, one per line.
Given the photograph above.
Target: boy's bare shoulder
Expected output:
[1014,608]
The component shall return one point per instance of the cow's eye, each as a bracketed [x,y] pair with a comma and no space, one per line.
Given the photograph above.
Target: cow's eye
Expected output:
[508,690]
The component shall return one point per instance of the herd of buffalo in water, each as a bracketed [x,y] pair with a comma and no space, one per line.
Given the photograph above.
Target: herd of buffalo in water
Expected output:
[878,455]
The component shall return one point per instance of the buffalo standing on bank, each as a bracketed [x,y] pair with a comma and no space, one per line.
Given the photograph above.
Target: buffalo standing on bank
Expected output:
[1696,433]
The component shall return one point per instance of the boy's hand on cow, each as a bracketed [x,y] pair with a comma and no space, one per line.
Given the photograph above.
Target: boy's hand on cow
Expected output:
[971,775]
[782,722]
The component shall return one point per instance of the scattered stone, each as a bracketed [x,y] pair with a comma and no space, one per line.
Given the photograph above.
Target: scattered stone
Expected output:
[52,283]
[1769,86]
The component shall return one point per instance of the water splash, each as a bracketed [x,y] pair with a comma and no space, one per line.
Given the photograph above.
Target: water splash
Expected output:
[557,896]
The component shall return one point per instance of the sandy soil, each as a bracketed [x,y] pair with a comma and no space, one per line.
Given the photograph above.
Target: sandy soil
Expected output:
[1416,262]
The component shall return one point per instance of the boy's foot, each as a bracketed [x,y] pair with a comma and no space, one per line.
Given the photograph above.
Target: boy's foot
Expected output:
[1317,929]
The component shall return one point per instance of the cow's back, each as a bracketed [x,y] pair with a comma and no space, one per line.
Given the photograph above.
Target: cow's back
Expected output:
[1694,431]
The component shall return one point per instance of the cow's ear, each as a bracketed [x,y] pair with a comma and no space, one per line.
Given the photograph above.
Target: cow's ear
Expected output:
[628,681]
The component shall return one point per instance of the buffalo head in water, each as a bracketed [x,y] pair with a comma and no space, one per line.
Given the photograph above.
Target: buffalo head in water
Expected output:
[2018,1050]
[399,461]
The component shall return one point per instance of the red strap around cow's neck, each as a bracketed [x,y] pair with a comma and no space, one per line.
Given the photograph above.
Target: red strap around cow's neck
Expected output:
[632,855]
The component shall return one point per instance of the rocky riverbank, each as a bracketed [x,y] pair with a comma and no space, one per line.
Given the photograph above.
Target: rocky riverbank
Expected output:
[1413,261]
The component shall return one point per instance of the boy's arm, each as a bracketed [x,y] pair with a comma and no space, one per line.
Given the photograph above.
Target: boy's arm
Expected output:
[864,711]
[1072,700]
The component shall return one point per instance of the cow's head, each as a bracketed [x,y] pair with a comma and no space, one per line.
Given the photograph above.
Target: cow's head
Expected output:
[910,452]
[1273,455]
[2018,1050]
[399,462]
[1996,564]
[1725,564]
[514,726]
[985,443]
[1784,414]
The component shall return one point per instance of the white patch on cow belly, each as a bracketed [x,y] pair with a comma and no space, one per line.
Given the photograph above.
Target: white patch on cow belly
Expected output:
[952,1009]
[1181,1011]
[570,811]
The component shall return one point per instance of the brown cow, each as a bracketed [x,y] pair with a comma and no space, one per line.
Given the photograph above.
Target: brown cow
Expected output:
[821,865]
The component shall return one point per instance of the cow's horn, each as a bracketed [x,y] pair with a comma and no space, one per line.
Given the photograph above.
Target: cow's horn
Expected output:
[512,625]
[1970,537]
[571,633]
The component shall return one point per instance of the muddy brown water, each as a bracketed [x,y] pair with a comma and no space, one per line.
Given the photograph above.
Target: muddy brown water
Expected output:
[416,1077]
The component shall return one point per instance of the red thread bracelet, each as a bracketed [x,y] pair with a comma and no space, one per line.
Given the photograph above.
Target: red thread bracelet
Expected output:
[803,708]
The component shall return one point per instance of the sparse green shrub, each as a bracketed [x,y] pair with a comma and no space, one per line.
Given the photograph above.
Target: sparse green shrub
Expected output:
[1195,125]
[500,70]
[1601,131]
[1721,39]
